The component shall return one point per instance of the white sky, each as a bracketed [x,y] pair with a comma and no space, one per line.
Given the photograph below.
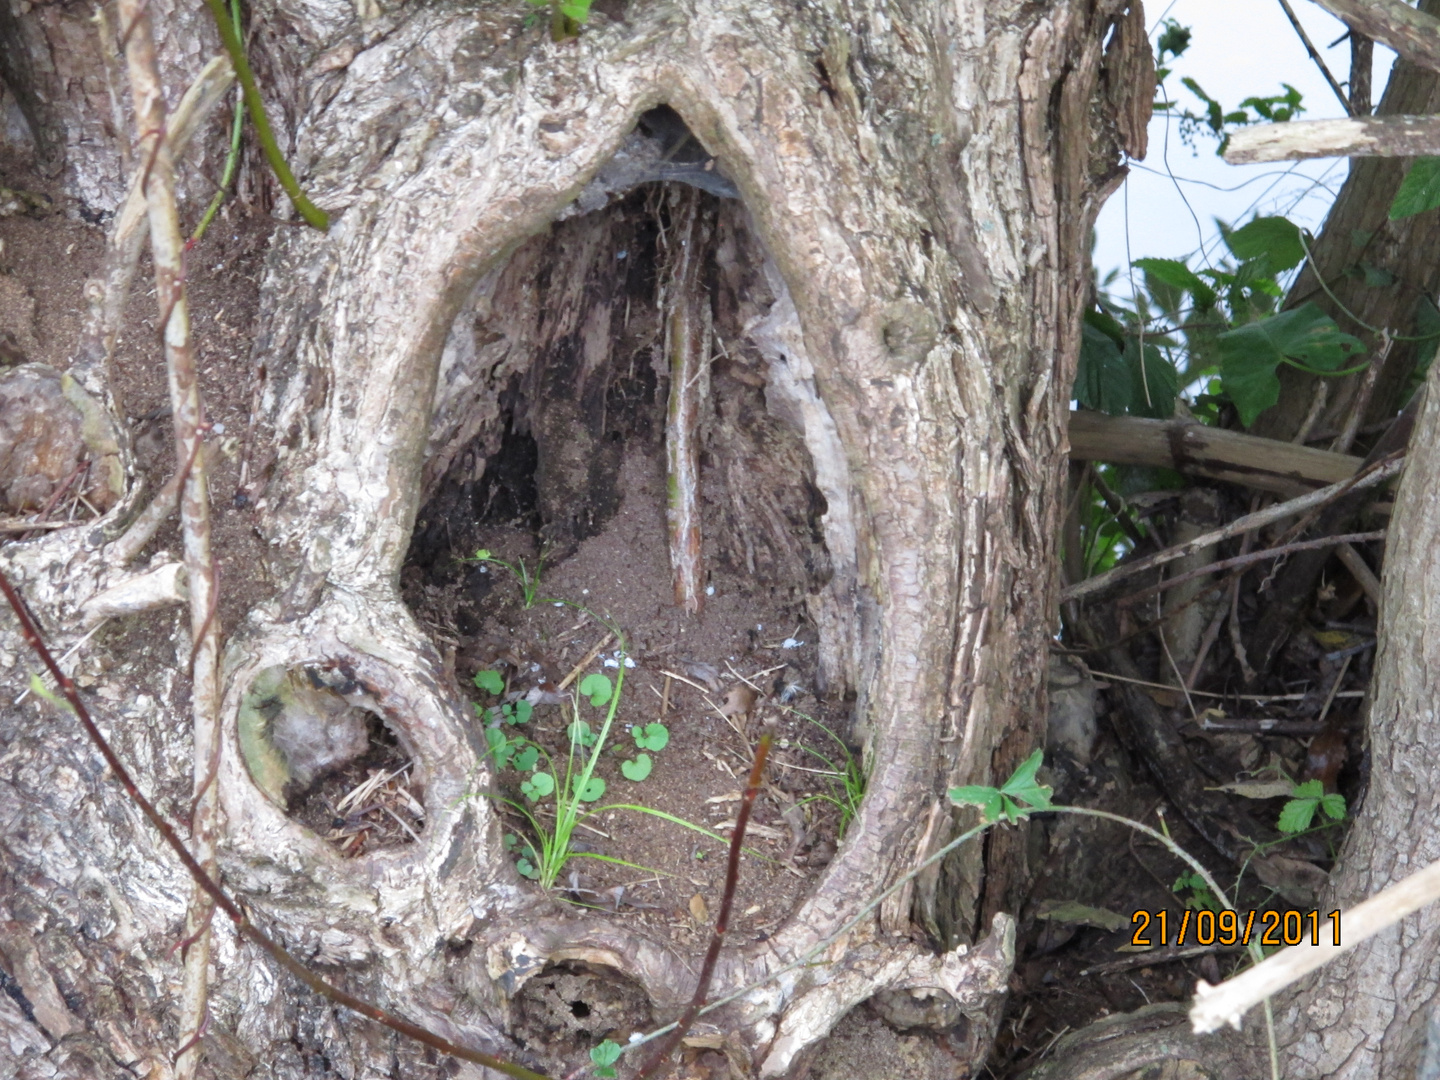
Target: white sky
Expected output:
[1239,49]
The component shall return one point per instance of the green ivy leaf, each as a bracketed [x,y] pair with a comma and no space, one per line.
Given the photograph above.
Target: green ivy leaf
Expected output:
[1250,354]
[1102,377]
[1153,393]
[638,769]
[1275,239]
[1179,276]
[1419,191]
[491,681]
[597,688]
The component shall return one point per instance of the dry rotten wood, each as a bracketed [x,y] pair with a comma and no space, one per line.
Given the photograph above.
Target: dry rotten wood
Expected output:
[1358,136]
[1212,453]
[1413,34]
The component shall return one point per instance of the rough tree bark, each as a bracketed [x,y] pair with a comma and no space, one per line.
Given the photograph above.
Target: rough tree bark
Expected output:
[922,178]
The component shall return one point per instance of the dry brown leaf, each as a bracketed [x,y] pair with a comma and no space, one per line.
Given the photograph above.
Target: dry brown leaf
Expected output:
[698,911]
[738,702]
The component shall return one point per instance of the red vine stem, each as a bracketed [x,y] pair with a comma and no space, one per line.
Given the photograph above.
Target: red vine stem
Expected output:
[243,926]
[722,919]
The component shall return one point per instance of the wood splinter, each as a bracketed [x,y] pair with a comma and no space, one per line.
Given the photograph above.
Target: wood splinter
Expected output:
[687,347]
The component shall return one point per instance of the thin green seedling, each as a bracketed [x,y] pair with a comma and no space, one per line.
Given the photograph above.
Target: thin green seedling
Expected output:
[527,578]
[232,159]
[849,774]
[579,786]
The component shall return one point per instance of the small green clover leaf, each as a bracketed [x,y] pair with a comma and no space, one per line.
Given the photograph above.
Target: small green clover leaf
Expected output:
[579,732]
[527,759]
[1297,814]
[604,1056]
[1003,803]
[502,747]
[591,791]
[651,737]
[518,713]
[491,681]
[638,769]
[597,688]
[527,868]
[538,786]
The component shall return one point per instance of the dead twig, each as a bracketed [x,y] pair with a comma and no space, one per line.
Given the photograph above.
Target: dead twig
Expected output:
[1380,472]
[1252,557]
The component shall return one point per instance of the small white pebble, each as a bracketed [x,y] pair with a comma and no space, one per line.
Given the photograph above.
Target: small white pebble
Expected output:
[620,255]
[559,603]
[584,592]
[791,643]
[759,626]
[629,662]
[219,429]
[608,662]
[709,590]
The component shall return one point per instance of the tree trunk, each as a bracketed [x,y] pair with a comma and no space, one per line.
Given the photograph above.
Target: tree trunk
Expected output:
[917,183]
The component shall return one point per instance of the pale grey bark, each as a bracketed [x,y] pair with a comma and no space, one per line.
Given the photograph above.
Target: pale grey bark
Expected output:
[1365,1015]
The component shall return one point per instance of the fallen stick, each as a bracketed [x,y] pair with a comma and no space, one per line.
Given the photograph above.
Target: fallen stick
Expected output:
[1228,1002]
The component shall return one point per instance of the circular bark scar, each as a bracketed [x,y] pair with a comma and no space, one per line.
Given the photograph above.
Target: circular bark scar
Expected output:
[909,331]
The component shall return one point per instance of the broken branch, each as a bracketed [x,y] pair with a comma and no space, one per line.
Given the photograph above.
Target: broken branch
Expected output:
[1359,136]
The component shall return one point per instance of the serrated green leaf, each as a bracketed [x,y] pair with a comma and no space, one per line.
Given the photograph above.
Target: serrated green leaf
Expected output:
[1250,354]
[483,555]
[1275,239]
[638,769]
[490,681]
[1102,377]
[986,798]
[1297,814]
[1176,274]
[1310,789]
[1419,191]
[1153,393]
[1334,806]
